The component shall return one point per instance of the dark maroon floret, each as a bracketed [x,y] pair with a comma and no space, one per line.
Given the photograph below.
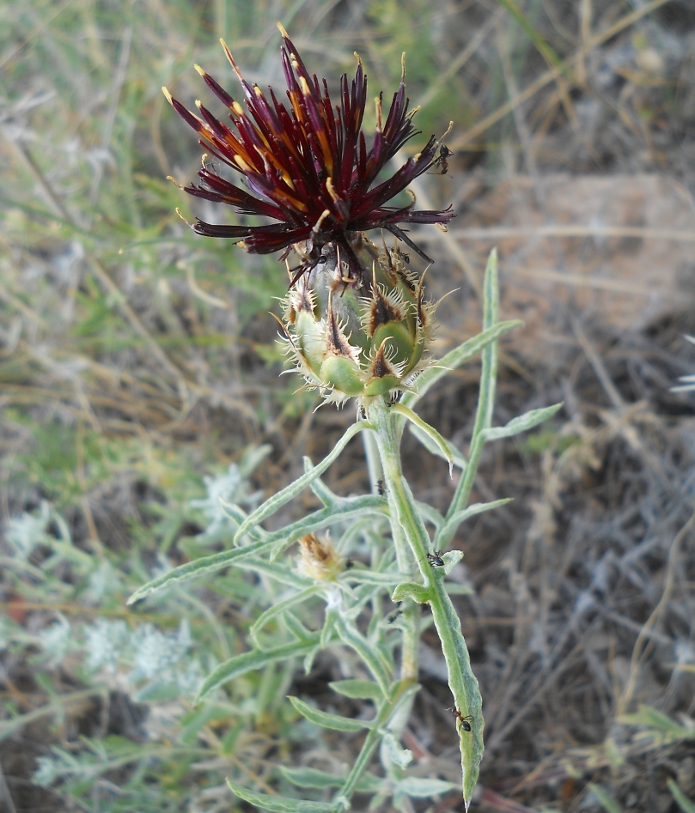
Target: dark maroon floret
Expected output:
[306,166]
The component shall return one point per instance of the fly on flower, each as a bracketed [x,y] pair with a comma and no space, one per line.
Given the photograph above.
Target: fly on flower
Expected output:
[306,167]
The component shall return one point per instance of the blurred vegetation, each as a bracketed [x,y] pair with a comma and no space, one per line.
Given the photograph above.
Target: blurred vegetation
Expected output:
[139,367]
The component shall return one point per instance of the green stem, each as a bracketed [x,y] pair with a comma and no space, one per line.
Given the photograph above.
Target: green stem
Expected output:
[408,530]
[408,526]
[402,693]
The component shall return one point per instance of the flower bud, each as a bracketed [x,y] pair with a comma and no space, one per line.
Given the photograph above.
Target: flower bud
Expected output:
[318,559]
[365,343]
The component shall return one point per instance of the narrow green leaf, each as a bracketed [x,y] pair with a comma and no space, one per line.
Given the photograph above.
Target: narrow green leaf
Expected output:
[433,448]
[658,719]
[486,395]
[255,659]
[326,720]
[295,626]
[415,592]
[357,689]
[199,567]
[313,778]
[393,752]
[371,655]
[462,682]
[274,503]
[319,488]
[448,530]
[522,423]
[372,577]
[548,53]
[451,558]
[423,788]
[430,514]
[428,430]
[342,509]
[454,589]
[605,800]
[278,804]
[456,357]
[685,804]
[281,606]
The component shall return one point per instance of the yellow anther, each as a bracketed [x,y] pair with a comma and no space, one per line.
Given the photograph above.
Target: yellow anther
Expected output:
[239,161]
[331,189]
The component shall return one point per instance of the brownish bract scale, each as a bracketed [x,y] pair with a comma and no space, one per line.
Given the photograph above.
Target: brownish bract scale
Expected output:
[338,342]
[382,310]
[381,365]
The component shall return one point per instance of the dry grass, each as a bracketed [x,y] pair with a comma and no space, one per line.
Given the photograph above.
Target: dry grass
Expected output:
[135,358]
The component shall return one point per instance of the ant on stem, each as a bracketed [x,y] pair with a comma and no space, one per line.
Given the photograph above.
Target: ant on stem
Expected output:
[464,722]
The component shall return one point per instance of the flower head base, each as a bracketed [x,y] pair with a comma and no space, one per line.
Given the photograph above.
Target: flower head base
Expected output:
[347,345]
[307,167]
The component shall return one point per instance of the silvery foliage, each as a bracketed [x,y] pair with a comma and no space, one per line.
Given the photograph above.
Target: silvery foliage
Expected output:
[56,640]
[26,532]
[149,659]
[229,487]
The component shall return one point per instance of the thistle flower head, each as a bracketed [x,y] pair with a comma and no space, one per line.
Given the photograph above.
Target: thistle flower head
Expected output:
[306,167]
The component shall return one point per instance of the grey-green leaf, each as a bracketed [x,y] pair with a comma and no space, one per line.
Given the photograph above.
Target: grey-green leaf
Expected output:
[449,528]
[199,567]
[433,448]
[255,659]
[606,801]
[456,357]
[411,590]
[326,720]
[423,788]
[278,804]
[435,438]
[314,778]
[274,503]
[311,778]
[357,689]
[522,423]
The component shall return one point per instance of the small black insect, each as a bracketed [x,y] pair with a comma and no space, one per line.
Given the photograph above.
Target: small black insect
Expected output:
[349,564]
[394,616]
[442,162]
[435,559]
[363,413]
[381,487]
[464,721]
[406,257]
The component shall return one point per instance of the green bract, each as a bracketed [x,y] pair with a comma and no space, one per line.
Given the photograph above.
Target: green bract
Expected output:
[361,344]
